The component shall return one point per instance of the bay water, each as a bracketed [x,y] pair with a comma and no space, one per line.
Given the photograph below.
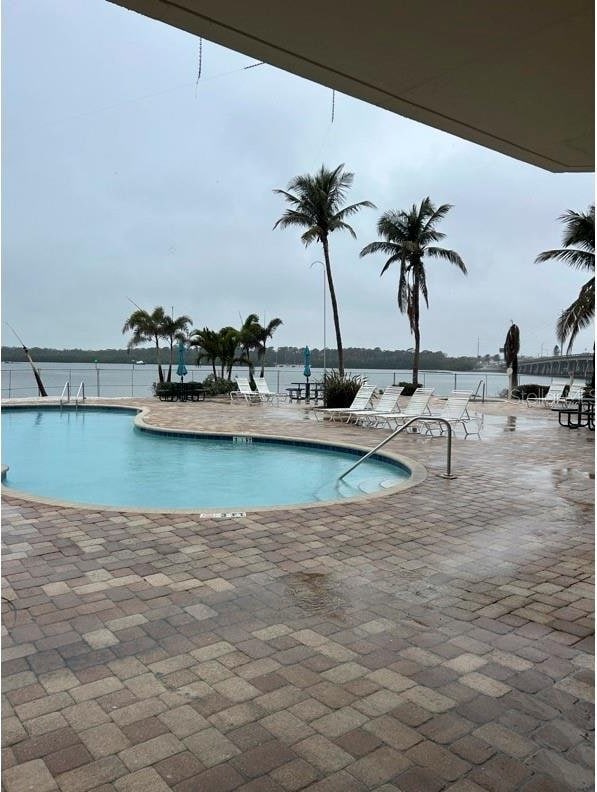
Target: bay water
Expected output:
[117,379]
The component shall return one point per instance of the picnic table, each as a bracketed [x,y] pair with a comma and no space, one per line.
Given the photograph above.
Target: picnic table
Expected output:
[575,415]
[305,391]
[180,391]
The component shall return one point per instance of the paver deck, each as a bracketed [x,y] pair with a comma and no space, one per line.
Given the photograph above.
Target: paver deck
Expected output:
[434,639]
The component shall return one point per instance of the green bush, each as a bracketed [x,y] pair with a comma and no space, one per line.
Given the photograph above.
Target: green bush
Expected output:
[340,391]
[409,387]
[217,386]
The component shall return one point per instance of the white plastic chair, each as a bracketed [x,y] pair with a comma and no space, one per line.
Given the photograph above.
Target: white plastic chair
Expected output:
[455,412]
[362,401]
[387,403]
[553,396]
[266,395]
[417,405]
[244,392]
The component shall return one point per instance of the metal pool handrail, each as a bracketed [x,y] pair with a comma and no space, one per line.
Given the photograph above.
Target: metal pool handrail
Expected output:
[426,418]
[66,390]
[80,394]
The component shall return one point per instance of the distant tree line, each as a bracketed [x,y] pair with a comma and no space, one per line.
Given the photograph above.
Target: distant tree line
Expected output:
[354,357]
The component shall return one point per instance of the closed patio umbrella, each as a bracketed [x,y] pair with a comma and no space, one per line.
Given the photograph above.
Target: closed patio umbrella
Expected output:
[307,369]
[181,369]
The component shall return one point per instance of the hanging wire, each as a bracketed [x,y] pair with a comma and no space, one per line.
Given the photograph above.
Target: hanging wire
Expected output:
[252,65]
[333,104]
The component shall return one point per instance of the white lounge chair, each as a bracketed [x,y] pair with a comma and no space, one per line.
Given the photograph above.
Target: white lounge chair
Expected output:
[553,396]
[266,395]
[244,392]
[361,401]
[576,392]
[387,403]
[417,405]
[455,411]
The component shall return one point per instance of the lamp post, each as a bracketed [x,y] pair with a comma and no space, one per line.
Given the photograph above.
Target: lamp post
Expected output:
[324,311]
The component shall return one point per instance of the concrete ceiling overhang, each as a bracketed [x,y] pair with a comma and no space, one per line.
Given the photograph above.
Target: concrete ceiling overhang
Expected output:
[515,76]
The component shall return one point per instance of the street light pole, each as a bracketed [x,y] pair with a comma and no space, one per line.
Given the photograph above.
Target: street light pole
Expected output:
[324,312]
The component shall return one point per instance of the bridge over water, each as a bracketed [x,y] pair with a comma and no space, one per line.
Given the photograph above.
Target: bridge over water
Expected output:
[580,366]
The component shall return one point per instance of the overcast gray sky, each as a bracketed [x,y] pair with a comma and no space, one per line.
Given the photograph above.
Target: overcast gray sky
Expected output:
[123,178]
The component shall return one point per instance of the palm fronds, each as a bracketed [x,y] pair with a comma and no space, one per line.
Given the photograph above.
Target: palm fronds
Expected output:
[579,230]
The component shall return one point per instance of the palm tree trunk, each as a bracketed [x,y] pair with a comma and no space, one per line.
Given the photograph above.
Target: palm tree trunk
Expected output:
[169,378]
[332,291]
[416,331]
[157,355]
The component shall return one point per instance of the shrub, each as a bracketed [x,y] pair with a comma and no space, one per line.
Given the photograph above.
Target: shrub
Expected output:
[217,386]
[340,391]
[409,387]
[522,391]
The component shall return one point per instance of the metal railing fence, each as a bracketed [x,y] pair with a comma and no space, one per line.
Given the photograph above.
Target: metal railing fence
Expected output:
[113,380]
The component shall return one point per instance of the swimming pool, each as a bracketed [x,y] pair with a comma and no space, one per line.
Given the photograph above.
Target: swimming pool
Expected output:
[99,457]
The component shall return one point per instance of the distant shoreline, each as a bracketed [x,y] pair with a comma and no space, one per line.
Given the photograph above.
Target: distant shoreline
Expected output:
[354,358]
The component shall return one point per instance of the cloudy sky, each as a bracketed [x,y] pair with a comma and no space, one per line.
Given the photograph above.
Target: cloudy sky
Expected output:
[122,177]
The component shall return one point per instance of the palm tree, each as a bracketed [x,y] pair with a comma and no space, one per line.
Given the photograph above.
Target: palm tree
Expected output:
[262,334]
[216,346]
[146,327]
[174,329]
[407,238]
[229,344]
[248,339]
[316,204]
[579,253]
[207,342]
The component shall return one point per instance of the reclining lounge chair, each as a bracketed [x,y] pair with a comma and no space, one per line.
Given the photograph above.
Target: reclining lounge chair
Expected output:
[455,412]
[244,392]
[417,405]
[362,401]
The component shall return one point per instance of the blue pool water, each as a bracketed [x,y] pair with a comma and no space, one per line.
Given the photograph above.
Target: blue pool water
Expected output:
[94,456]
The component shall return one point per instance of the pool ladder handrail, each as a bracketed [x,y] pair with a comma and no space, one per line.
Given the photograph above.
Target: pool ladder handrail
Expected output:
[65,395]
[80,394]
[427,419]
[66,390]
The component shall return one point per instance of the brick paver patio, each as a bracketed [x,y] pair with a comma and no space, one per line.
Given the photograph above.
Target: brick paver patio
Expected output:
[434,639]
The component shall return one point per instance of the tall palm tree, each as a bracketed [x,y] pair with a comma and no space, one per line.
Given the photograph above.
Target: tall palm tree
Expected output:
[174,329]
[147,327]
[217,346]
[579,253]
[262,335]
[229,346]
[207,342]
[407,238]
[316,203]
[248,339]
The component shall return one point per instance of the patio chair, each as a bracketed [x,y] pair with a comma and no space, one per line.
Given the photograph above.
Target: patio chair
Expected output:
[361,401]
[387,403]
[553,396]
[244,392]
[454,411]
[576,392]
[266,395]
[417,405]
